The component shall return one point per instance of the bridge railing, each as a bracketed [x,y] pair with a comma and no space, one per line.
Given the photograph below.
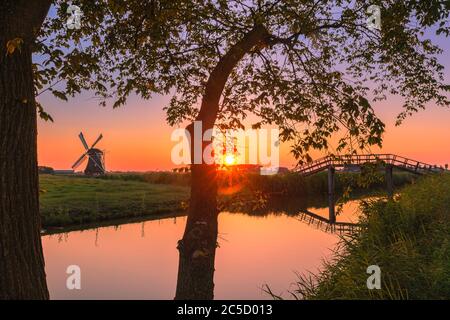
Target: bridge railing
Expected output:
[361,159]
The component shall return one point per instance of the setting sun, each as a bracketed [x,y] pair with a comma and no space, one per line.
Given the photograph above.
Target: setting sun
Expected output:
[230,159]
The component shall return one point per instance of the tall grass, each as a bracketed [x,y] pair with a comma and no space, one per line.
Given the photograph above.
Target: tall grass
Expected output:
[290,184]
[408,238]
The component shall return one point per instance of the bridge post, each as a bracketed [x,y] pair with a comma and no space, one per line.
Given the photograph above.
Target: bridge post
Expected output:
[389,181]
[331,208]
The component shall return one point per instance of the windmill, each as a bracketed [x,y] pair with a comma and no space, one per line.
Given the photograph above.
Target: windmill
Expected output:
[96,163]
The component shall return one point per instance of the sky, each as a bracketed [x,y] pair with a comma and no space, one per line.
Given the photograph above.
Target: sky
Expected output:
[137,137]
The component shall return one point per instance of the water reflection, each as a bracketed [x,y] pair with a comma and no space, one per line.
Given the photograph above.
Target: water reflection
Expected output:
[140,260]
[324,224]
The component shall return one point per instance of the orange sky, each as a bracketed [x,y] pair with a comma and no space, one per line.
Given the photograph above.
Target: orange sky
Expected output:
[137,138]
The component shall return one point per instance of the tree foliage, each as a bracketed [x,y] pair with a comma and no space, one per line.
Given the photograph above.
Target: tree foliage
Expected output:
[317,72]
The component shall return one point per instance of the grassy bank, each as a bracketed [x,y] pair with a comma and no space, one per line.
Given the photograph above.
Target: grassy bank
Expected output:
[409,239]
[290,184]
[69,200]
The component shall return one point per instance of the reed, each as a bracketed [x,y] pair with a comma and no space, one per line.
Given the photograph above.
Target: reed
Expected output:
[408,238]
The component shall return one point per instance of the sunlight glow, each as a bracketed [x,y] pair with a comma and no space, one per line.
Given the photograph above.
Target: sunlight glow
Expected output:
[229,159]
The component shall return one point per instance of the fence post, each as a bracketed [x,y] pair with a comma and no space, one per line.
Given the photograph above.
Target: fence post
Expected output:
[389,180]
[331,208]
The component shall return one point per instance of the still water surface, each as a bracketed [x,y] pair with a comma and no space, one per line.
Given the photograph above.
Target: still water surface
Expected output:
[140,260]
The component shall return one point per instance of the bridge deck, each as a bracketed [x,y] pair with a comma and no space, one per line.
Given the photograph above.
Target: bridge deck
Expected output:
[396,161]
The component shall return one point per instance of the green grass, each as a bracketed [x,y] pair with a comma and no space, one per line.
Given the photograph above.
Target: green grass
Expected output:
[408,238]
[69,200]
[162,177]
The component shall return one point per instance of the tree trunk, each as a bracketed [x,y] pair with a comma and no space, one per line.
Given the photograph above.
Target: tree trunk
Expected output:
[22,274]
[198,246]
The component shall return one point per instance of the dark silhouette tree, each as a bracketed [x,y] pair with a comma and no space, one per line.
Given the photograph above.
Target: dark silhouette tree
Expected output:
[22,274]
[305,66]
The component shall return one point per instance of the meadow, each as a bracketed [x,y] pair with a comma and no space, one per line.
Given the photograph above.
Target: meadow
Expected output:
[69,200]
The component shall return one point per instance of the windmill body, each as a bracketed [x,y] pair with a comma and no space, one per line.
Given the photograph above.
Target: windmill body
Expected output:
[96,158]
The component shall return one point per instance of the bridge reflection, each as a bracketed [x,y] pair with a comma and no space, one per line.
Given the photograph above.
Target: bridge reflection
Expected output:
[326,225]
[386,161]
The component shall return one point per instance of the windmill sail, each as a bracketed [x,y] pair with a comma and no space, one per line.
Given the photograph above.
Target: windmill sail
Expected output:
[79,161]
[96,141]
[83,141]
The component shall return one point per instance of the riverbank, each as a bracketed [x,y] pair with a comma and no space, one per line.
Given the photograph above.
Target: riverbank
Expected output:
[408,238]
[78,200]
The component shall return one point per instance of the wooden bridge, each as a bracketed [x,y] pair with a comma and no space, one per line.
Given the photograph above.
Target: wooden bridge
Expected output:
[343,161]
[348,162]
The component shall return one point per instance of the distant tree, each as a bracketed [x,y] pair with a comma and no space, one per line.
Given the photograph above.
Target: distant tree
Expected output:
[310,67]
[45,170]
[22,274]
